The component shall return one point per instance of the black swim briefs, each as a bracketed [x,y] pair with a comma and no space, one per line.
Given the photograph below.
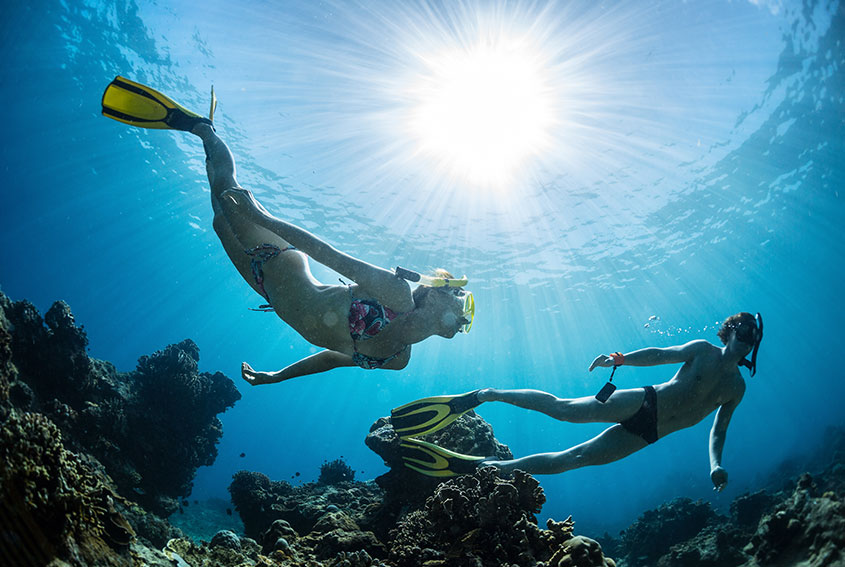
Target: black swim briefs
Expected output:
[644,422]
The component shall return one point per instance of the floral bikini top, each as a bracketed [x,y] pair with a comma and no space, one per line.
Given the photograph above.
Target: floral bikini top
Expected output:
[367,318]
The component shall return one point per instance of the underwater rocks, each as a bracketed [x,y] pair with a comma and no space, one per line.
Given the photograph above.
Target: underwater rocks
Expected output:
[335,540]
[261,501]
[806,528]
[186,552]
[803,524]
[151,428]
[656,531]
[476,519]
[482,519]
[172,414]
[406,489]
[52,500]
[82,444]
[335,472]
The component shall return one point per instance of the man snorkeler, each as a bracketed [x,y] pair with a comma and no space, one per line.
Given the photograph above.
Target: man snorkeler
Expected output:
[708,380]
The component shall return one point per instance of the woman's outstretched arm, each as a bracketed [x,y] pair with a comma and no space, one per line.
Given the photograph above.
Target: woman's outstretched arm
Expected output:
[321,362]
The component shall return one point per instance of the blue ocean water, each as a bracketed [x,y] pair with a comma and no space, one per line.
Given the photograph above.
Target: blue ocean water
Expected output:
[694,170]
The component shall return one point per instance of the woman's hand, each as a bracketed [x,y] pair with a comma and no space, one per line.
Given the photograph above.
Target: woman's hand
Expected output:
[719,476]
[254,377]
[602,360]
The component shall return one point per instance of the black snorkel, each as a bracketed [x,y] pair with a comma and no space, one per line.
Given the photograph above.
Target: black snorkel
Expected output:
[432,281]
[409,275]
[752,366]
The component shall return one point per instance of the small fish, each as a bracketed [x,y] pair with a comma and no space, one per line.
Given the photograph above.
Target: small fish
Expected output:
[297,474]
[243,455]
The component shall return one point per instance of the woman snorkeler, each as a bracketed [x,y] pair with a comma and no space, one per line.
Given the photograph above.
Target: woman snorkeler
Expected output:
[371,323]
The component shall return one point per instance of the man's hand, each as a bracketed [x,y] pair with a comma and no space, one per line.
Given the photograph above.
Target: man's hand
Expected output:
[719,476]
[602,360]
[253,377]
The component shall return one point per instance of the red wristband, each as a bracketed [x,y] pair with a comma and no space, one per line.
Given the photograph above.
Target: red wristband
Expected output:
[618,358]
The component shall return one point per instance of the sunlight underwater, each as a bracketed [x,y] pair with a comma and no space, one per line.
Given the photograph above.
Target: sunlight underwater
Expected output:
[680,162]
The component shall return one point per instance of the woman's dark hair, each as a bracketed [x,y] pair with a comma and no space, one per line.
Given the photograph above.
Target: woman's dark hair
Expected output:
[733,322]
[422,291]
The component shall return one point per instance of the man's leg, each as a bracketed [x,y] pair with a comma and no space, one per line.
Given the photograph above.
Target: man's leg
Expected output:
[612,444]
[621,405]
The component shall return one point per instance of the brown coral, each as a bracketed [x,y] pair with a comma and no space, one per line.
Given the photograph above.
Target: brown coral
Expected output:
[474,518]
[51,495]
[580,551]
[806,528]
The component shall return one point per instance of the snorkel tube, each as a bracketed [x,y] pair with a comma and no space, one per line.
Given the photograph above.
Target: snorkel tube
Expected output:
[431,281]
[752,366]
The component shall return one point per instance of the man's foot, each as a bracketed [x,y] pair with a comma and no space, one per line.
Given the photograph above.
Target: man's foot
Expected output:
[486,395]
[202,129]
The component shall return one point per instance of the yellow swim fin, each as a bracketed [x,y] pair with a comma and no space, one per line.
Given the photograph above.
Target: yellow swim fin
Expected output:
[428,415]
[138,105]
[431,460]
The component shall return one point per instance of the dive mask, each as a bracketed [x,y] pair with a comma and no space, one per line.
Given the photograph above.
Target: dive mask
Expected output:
[751,335]
[468,309]
[446,284]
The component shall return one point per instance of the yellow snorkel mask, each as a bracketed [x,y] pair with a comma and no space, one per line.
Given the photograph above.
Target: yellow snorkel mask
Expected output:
[469,311]
[468,308]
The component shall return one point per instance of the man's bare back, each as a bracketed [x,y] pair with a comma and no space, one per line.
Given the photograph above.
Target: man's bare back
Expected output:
[703,384]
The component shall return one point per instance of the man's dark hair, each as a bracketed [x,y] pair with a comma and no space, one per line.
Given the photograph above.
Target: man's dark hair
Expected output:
[733,322]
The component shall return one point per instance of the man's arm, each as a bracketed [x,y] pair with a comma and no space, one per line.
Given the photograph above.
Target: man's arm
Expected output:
[653,356]
[719,431]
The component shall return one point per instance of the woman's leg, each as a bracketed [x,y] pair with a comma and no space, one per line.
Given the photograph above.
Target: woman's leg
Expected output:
[612,444]
[252,225]
[242,240]
[621,405]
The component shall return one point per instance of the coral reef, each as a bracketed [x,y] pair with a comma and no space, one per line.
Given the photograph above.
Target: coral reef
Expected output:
[406,489]
[250,555]
[81,444]
[172,413]
[90,457]
[478,519]
[151,428]
[656,531]
[482,519]
[260,502]
[714,545]
[335,472]
[806,528]
[803,524]
[51,497]
[335,541]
